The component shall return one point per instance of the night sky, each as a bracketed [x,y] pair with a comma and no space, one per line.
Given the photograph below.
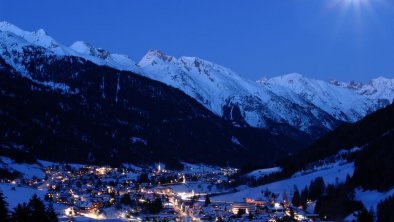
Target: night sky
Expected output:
[324,39]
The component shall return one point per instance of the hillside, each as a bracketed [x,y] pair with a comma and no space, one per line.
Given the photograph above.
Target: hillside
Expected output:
[373,163]
[69,109]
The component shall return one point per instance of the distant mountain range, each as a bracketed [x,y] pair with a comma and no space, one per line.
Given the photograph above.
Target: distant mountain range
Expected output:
[312,106]
[291,107]
[57,105]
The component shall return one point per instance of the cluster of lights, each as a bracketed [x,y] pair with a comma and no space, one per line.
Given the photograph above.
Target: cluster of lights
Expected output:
[95,216]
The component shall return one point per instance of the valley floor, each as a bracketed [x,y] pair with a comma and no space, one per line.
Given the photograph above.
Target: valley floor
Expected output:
[89,193]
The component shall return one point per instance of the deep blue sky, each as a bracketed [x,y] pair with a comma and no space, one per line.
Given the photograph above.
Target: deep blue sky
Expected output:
[258,38]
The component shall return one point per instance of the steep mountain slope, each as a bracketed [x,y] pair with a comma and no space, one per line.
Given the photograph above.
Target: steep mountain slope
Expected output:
[290,104]
[355,163]
[225,93]
[65,108]
[380,88]
[79,48]
[312,106]
[368,144]
[341,103]
[374,134]
[103,57]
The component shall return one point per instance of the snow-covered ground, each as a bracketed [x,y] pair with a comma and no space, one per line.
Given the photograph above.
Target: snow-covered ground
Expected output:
[371,198]
[333,175]
[340,102]
[49,164]
[189,168]
[263,172]
[28,170]
[15,194]
[197,188]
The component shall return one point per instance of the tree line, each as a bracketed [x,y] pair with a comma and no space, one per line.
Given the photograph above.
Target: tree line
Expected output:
[34,210]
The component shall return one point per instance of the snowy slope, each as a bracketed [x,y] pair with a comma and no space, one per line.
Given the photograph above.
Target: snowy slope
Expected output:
[371,198]
[38,37]
[15,195]
[337,173]
[282,104]
[263,172]
[218,88]
[380,88]
[342,103]
[190,74]
[291,99]
[80,49]
[103,57]
[28,170]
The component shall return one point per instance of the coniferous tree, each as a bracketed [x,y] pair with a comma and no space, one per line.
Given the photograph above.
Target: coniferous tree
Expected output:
[337,203]
[296,201]
[386,210]
[3,208]
[21,213]
[37,209]
[207,200]
[304,197]
[51,214]
[155,206]
[364,216]
[125,199]
[143,178]
[372,212]
[316,188]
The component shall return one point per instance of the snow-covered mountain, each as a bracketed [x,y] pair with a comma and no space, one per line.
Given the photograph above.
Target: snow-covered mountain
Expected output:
[103,57]
[64,108]
[280,103]
[229,95]
[15,38]
[343,103]
[306,104]
[39,38]
[380,88]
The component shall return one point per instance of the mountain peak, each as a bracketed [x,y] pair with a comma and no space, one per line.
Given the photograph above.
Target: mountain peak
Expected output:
[80,45]
[8,27]
[292,76]
[38,37]
[381,81]
[154,56]
[262,80]
[354,85]
[88,49]
[335,82]
[102,56]
[287,79]
[40,32]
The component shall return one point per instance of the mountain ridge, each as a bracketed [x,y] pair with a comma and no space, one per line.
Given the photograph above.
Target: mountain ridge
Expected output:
[110,113]
[308,105]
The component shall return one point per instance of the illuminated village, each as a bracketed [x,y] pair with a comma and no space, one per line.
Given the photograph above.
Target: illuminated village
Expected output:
[154,194]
